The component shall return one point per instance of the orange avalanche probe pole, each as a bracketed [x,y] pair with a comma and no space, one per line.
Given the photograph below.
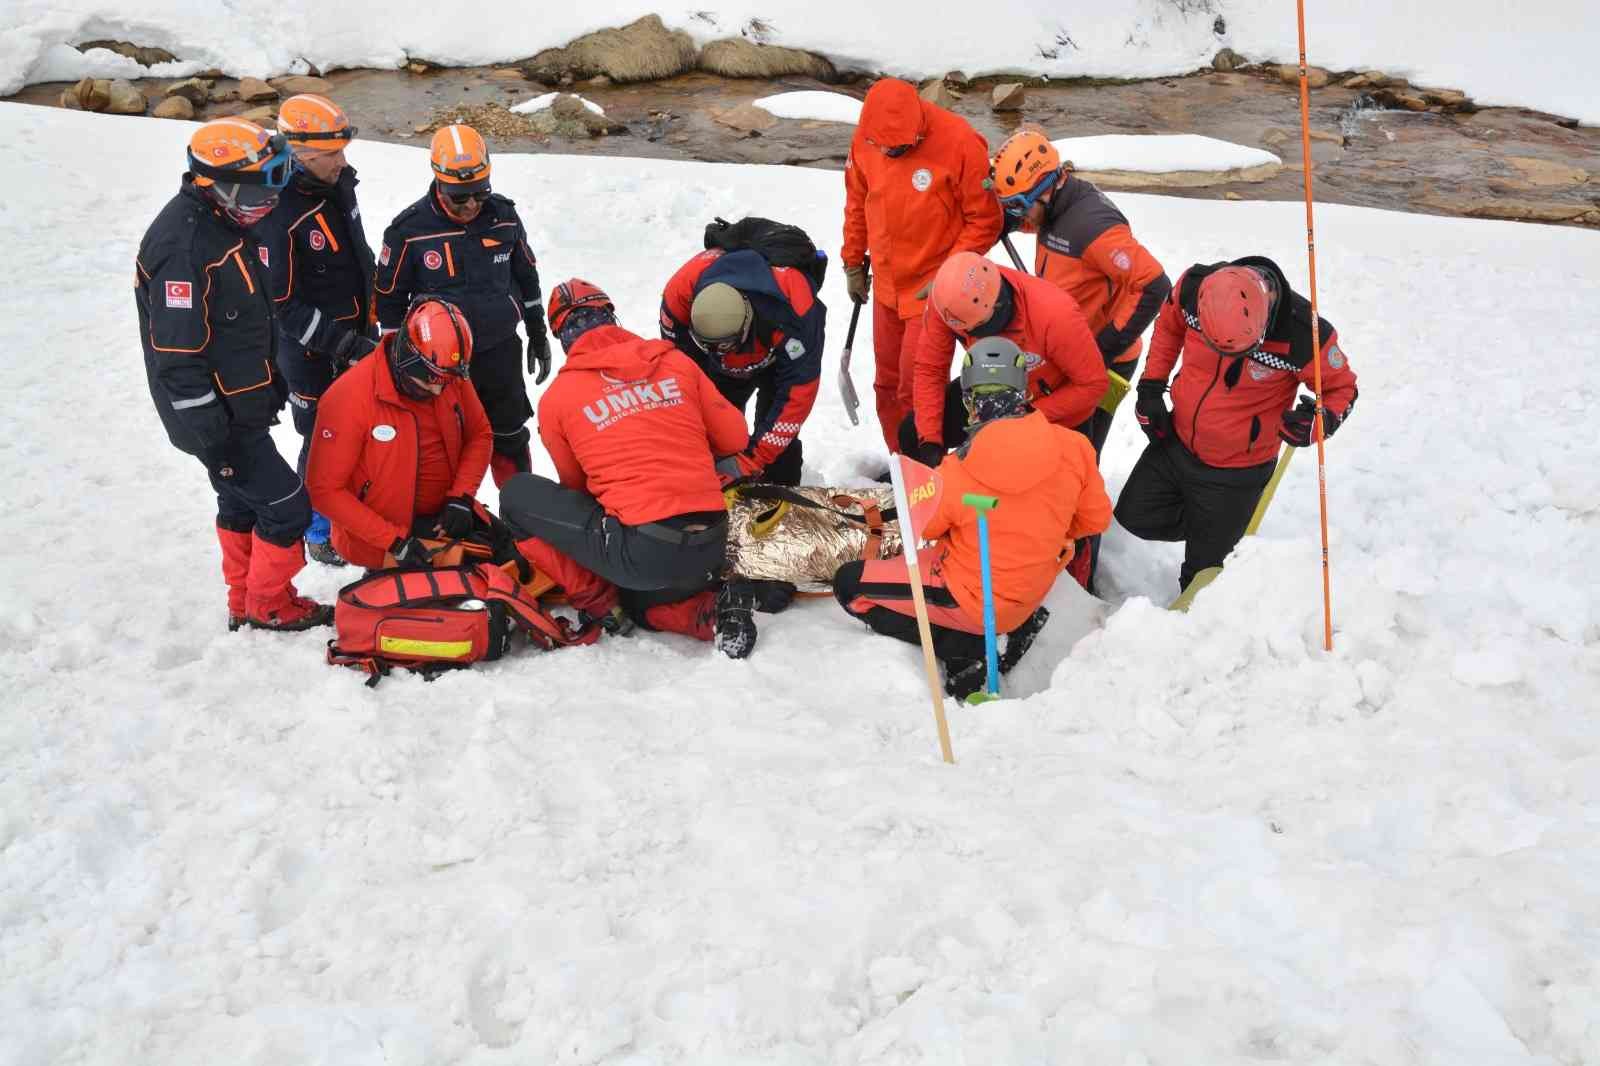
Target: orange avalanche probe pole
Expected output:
[1316,331]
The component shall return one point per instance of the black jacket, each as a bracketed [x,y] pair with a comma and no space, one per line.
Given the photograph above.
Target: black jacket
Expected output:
[206,321]
[321,264]
[484,267]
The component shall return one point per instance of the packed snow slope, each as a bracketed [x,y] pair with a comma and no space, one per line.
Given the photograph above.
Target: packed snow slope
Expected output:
[1203,840]
[1537,55]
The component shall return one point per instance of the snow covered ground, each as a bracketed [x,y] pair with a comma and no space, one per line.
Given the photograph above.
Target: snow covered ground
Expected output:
[813,104]
[1537,55]
[1160,154]
[1202,841]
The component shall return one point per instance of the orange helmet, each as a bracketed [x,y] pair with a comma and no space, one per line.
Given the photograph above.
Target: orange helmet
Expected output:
[573,295]
[241,167]
[314,122]
[459,158]
[1024,169]
[966,292]
[433,343]
[1235,305]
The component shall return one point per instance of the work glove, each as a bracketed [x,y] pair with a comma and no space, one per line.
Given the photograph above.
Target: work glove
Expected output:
[732,469]
[616,622]
[1299,424]
[349,350]
[410,552]
[929,453]
[1151,411]
[457,520]
[922,293]
[858,282]
[538,350]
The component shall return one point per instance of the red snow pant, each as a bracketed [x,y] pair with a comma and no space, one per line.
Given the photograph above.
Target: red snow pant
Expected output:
[878,591]
[894,347]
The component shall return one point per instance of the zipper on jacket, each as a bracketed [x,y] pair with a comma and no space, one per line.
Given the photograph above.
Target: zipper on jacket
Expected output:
[362,495]
[1194,422]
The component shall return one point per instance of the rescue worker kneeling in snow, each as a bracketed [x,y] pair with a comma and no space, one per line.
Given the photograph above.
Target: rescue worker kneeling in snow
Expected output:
[1050,494]
[753,328]
[634,429]
[401,442]
[1245,339]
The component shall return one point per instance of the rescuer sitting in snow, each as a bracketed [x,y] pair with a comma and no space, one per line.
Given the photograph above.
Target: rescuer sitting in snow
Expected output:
[1050,494]
[1245,340]
[634,429]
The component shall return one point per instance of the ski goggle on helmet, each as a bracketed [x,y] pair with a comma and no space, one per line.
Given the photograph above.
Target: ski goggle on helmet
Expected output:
[243,165]
[1025,168]
[434,343]
[460,161]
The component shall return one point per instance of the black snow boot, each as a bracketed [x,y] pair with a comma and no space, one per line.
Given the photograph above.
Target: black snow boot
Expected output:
[1021,639]
[772,596]
[736,622]
[963,677]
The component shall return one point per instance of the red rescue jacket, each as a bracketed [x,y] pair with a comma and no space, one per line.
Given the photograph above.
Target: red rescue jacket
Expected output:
[1066,376]
[362,471]
[914,212]
[638,426]
[1227,409]
[1050,494]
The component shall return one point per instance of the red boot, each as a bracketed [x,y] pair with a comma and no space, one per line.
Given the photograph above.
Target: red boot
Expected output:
[694,617]
[272,602]
[501,467]
[235,571]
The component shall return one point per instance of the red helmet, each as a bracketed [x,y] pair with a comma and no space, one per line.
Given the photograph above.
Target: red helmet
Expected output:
[1235,307]
[434,342]
[572,294]
[965,291]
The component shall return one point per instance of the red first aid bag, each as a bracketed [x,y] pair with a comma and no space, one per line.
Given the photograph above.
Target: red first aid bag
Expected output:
[437,619]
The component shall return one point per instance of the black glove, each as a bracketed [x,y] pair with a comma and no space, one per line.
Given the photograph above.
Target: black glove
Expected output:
[410,552]
[1151,411]
[735,468]
[929,453]
[457,520]
[350,349]
[538,350]
[1299,424]
[615,622]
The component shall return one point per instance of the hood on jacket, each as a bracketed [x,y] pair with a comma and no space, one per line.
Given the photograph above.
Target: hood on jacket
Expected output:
[616,352]
[892,113]
[1013,454]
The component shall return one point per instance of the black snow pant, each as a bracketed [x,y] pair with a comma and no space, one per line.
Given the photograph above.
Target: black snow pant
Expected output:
[785,469]
[1173,496]
[948,644]
[683,554]
[257,490]
[496,373]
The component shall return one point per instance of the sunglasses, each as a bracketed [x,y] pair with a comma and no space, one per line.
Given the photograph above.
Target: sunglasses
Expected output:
[1018,205]
[460,198]
[244,196]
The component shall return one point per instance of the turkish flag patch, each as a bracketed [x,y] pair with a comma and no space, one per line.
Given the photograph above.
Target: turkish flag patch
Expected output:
[180,294]
[383,256]
[261,254]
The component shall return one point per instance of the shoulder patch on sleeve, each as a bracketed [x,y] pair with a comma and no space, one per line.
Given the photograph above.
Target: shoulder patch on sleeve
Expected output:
[383,256]
[180,294]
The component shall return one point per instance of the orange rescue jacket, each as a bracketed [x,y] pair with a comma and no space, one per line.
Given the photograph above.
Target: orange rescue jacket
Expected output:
[1050,494]
[915,211]
[362,471]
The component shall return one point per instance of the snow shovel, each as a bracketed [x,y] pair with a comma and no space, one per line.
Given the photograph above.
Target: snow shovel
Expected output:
[847,388]
[991,652]
[1209,574]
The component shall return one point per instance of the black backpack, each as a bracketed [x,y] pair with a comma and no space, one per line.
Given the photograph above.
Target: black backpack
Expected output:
[780,244]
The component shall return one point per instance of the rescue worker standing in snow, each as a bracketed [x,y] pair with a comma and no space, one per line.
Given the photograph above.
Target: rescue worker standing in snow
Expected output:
[322,272]
[1086,248]
[465,243]
[1245,341]
[204,299]
[915,193]
[634,429]
[1050,494]
[972,298]
[752,328]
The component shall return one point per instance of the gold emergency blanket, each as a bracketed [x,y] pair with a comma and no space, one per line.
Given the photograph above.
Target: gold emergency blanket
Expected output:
[803,535]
